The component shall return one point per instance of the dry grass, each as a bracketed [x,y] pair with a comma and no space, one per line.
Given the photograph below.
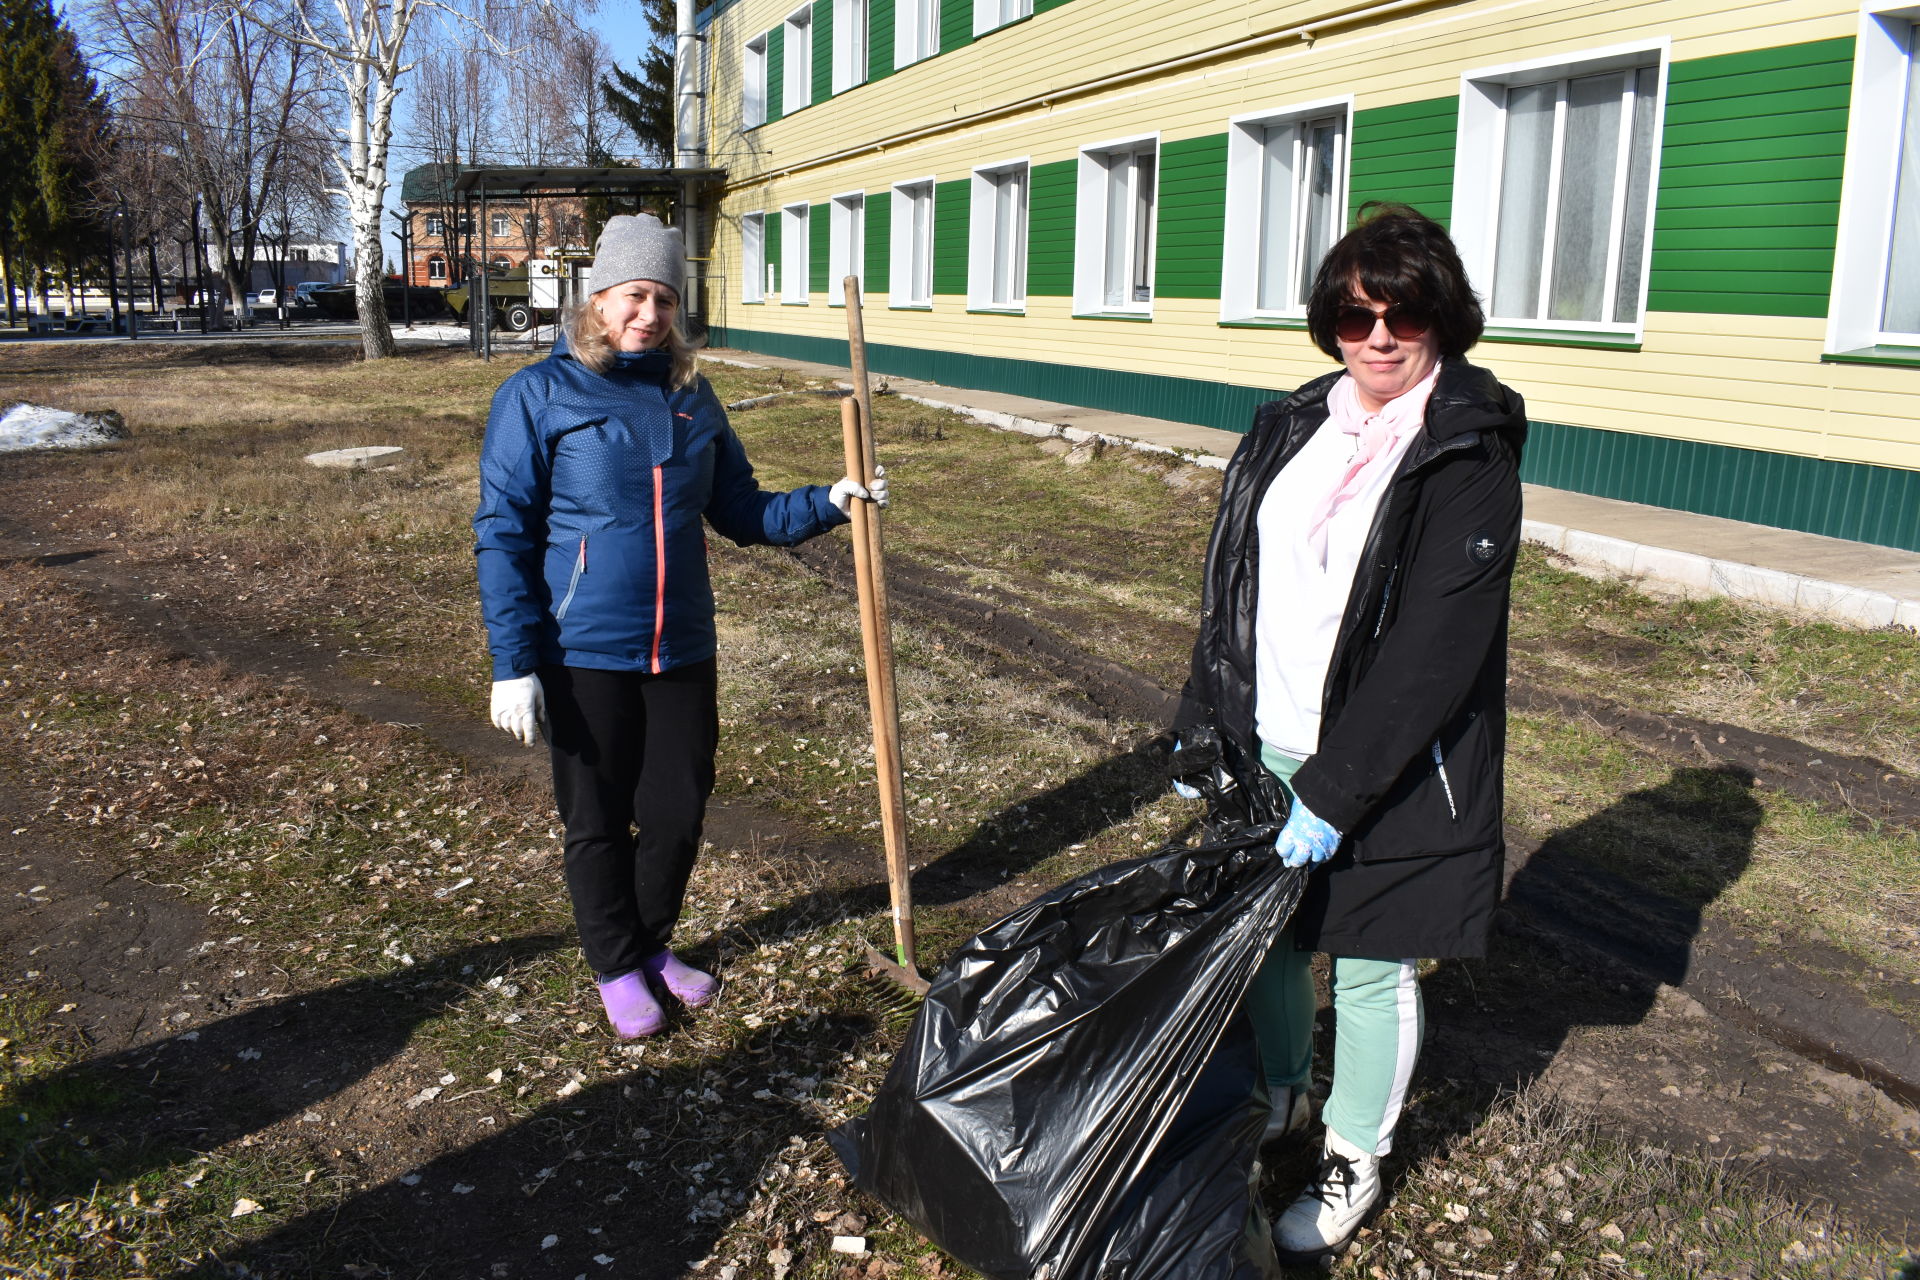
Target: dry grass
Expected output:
[313,836]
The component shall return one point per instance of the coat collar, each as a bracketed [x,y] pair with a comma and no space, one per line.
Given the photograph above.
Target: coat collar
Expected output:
[1465,398]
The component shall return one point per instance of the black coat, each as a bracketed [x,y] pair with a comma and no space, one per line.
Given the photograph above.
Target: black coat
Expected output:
[1413,729]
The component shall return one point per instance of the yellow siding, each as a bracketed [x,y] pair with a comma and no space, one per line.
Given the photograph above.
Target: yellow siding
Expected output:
[1748,381]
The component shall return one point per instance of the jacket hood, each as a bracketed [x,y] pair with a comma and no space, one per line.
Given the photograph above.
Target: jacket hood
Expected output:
[1465,398]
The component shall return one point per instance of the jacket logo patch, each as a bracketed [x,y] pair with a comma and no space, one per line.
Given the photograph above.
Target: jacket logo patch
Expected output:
[1481,548]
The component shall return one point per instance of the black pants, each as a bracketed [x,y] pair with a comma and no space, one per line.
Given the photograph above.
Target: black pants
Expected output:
[630,750]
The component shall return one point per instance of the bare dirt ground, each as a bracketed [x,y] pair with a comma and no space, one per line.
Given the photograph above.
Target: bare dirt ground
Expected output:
[1788,1058]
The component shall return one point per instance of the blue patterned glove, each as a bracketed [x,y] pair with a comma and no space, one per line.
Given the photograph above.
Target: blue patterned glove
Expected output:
[1306,838]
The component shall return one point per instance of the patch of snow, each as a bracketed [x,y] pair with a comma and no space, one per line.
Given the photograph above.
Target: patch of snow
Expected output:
[32,426]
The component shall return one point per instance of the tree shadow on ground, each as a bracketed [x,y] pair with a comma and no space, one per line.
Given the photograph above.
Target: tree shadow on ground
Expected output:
[1020,837]
[636,1176]
[117,1118]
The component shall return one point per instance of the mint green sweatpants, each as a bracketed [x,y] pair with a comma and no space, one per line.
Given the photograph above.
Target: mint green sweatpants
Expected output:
[1378,1023]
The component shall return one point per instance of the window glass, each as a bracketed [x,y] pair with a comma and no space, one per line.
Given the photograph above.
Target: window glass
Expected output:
[753,84]
[753,257]
[916,30]
[920,266]
[1575,185]
[793,252]
[797,74]
[1005,240]
[436,268]
[1900,316]
[1299,165]
[1127,251]
[847,255]
[849,44]
[502,225]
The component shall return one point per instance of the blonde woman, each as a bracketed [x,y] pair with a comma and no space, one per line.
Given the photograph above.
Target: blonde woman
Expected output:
[601,464]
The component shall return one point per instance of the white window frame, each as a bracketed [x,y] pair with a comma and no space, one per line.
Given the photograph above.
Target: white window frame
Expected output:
[796,61]
[1242,243]
[982,244]
[753,82]
[753,257]
[850,33]
[1478,169]
[794,248]
[500,225]
[990,15]
[846,245]
[1090,228]
[436,268]
[437,225]
[906,287]
[916,31]
[1875,119]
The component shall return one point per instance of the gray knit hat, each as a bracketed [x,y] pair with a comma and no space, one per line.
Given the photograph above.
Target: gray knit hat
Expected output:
[637,247]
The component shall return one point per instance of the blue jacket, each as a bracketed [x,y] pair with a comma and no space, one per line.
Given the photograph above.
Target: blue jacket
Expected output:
[592,488]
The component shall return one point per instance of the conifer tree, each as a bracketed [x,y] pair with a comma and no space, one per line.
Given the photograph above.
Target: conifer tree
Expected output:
[644,102]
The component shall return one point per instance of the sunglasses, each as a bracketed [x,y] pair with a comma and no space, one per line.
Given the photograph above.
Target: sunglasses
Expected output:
[1355,324]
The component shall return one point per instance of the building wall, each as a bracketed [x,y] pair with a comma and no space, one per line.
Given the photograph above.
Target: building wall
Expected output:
[1727,397]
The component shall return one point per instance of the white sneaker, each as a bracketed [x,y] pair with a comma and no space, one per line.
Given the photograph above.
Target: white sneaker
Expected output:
[1292,1109]
[1333,1208]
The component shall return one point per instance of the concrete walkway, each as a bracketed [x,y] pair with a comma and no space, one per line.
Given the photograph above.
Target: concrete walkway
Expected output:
[1855,583]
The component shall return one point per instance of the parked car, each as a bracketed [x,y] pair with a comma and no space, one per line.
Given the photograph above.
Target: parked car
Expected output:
[301,295]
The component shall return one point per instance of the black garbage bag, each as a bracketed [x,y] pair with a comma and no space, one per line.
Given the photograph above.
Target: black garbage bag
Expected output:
[1080,1096]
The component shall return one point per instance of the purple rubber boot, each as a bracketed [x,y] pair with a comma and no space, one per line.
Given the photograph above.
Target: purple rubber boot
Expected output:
[631,1007]
[689,986]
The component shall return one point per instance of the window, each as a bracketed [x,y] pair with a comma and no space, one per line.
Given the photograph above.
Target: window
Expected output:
[436,268]
[916,30]
[1557,164]
[1113,249]
[847,246]
[500,226]
[849,44]
[753,257]
[436,225]
[911,277]
[503,264]
[793,252]
[531,225]
[997,261]
[797,73]
[1286,202]
[1877,259]
[988,14]
[753,83]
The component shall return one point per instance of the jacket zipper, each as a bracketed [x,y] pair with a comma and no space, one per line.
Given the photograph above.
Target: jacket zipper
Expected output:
[1368,556]
[573,584]
[1440,767]
[660,564]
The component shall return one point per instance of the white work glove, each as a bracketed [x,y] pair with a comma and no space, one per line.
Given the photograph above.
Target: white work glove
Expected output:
[846,489]
[519,705]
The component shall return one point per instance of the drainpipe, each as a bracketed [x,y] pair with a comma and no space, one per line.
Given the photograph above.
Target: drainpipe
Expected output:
[690,151]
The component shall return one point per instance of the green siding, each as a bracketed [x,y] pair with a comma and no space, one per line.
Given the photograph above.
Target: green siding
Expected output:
[879,264]
[1405,153]
[776,72]
[950,236]
[1838,499]
[1041,6]
[1179,399]
[1192,217]
[879,39]
[772,243]
[1052,192]
[956,25]
[1749,203]
[819,245]
[822,50]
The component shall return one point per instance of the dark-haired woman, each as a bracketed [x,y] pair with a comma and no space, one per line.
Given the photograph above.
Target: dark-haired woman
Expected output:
[1353,643]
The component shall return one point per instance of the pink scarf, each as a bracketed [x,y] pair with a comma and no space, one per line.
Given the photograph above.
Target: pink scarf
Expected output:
[1377,434]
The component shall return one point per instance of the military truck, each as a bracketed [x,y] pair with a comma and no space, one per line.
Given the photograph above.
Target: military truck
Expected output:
[535,292]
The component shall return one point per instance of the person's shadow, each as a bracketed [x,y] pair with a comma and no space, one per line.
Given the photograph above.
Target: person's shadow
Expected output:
[151,1107]
[1592,924]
